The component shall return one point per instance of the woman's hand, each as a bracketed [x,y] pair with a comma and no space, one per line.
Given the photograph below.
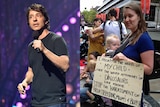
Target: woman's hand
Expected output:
[120,56]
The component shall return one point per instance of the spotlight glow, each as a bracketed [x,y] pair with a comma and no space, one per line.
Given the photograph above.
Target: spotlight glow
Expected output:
[78,14]
[19,104]
[72,102]
[28,87]
[72,20]
[65,28]
[59,33]
[74,98]
[23,96]
[69,88]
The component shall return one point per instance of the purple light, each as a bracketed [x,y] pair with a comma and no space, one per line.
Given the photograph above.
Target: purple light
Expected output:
[28,87]
[72,20]
[19,104]
[65,28]
[78,84]
[59,33]
[69,88]
[74,98]
[78,14]
[23,96]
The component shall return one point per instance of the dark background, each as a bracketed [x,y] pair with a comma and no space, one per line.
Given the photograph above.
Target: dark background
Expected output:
[15,36]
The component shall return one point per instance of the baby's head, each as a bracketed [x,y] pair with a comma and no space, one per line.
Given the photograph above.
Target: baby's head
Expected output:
[112,42]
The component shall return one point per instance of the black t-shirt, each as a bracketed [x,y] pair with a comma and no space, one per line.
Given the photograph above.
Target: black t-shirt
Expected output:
[49,85]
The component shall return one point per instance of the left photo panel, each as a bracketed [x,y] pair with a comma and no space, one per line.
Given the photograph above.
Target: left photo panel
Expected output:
[39,53]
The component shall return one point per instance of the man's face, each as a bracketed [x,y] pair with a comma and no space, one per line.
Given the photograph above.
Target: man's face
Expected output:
[36,20]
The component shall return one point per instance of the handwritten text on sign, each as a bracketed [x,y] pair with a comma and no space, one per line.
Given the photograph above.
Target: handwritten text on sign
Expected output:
[118,80]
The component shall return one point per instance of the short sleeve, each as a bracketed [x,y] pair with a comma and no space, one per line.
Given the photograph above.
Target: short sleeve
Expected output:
[60,46]
[145,43]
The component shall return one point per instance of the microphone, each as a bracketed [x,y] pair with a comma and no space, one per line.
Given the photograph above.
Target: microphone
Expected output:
[35,35]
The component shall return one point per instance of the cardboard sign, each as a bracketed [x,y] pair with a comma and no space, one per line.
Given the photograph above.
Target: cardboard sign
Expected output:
[118,80]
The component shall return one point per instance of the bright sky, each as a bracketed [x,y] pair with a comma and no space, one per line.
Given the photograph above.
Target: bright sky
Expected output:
[89,4]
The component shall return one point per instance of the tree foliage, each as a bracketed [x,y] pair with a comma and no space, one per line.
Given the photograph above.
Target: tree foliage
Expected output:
[89,16]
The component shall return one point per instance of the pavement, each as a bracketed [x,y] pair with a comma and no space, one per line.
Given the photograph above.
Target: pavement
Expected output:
[154,33]
[155,89]
[155,83]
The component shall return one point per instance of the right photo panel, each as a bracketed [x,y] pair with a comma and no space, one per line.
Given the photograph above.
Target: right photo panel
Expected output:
[119,53]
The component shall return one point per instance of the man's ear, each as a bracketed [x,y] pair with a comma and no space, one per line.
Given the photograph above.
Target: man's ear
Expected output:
[46,22]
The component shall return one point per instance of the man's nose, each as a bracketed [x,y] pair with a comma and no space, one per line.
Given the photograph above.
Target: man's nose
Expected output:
[34,18]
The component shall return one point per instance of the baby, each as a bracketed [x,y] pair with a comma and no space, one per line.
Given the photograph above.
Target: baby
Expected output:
[112,43]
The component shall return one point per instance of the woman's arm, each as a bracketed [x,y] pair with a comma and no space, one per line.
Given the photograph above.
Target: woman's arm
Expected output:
[147,58]
[148,61]
[92,35]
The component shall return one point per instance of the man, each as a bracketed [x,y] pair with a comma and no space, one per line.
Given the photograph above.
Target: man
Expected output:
[112,26]
[48,62]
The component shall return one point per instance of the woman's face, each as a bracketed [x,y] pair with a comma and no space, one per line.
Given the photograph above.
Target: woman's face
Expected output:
[97,23]
[92,57]
[131,19]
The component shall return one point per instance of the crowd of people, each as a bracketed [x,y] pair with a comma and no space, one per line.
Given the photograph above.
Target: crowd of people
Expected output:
[127,40]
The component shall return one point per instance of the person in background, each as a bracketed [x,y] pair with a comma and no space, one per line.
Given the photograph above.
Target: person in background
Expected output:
[140,47]
[112,26]
[48,62]
[85,92]
[92,56]
[96,41]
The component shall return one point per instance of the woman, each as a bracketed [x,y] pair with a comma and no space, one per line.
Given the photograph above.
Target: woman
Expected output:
[140,48]
[96,41]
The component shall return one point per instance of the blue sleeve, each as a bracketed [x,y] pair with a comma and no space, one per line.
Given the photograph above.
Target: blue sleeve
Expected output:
[145,43]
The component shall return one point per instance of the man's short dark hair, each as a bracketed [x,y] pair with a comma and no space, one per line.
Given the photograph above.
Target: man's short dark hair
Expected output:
[112,12]
[39,8]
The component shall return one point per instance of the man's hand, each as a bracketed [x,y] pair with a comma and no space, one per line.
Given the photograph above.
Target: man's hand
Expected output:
[37,44]
[21,87]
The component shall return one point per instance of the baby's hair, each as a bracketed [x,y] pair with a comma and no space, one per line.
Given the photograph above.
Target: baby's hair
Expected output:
[109,39]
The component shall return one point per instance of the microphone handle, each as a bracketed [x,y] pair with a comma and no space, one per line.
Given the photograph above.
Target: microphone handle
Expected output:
[38,50]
